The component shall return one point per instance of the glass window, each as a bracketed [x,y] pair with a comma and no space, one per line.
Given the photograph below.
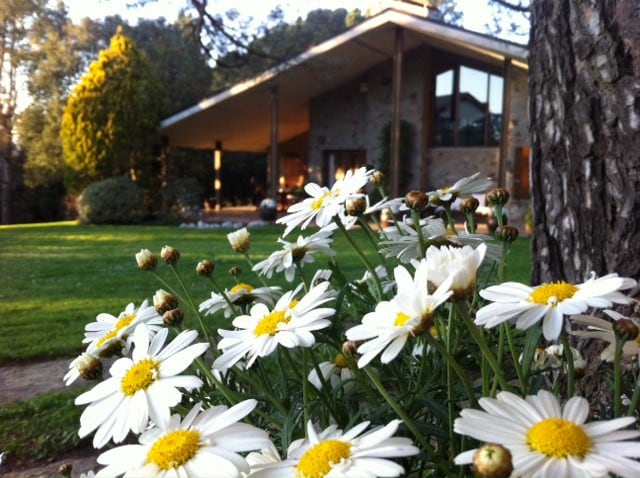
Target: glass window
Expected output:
[468,108]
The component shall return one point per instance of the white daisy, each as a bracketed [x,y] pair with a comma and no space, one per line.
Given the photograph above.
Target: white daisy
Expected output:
[601,329]
[240,295]
[462,187]
[409,313]
[288,324]
[458,263]
[204,443]
[324,203]
[141,387]
[550,441]
[333,453]
[297,254]
[550,302]
[335,372]
[108,333]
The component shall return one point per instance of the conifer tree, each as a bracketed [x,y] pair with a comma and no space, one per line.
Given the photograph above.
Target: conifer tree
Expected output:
[111,116]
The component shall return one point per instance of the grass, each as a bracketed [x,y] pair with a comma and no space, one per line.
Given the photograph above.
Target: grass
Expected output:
[57,277]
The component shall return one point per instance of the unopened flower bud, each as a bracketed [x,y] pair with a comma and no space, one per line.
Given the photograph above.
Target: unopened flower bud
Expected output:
[492,461]
[163,301]
[170,255]
[146,260]
[205,268]
[239,240]
[65,470]
[469,205]
[579,368]
[625,329]
[498,197]
[235,271]
[416,200]
[377,177]
[355,205]
[89,366]
[350,348]
[507,234]
[173,317]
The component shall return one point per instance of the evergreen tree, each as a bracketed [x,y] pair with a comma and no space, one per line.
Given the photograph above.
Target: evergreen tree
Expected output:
[111,117]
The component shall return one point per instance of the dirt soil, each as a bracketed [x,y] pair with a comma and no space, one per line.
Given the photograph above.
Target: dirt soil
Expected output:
[24,381]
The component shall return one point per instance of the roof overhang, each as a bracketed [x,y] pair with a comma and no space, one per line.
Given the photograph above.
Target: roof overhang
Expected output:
[240,117]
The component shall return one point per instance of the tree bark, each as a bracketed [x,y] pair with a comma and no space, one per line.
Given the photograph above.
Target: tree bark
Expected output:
[585,118]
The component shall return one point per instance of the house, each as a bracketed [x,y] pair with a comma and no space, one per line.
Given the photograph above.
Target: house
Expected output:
[462,95]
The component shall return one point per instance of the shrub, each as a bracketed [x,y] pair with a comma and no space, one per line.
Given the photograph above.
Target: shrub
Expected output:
[111,201]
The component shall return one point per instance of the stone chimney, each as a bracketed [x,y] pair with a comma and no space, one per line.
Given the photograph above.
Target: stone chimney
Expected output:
[421,8]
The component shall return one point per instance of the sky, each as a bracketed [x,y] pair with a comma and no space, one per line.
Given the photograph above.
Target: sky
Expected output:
[476,12]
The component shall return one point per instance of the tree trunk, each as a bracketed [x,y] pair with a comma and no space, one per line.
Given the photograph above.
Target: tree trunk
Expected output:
[585,117]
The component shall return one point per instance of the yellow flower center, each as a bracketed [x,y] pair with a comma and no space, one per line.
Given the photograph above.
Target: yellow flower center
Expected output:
[241,287]
[318,203]
[340,361]
[269,323]
[318,460]
[113,333]
[401,319]
[558,438]
[139,377]
[174,449]
[292,304]
[554,292]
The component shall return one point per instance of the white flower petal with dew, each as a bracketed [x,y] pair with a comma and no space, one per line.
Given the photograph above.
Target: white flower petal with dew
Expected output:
[547,440]
[463,187]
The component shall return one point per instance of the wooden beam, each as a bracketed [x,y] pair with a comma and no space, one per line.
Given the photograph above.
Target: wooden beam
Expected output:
[396,98]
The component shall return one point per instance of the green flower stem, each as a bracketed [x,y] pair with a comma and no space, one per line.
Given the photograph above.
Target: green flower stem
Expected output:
[450,392]
[304,279]
[471,222]
[466,383]
[251,266]
[617,378]
[305,386]
[167,286]
[227,393]
[194,307]
[415,215]
[265,390]
[375,219]
[403,416]
[515,358]
[500,358]
[476,333]
[566,347]
[363,258]
[450,222]
[634,398]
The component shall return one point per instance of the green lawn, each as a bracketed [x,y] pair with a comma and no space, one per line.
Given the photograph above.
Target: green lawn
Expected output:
[57,277]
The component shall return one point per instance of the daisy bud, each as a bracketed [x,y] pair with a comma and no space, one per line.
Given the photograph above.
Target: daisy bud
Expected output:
[469,205]
[173,317]
[89,367]
[625,329]
[498,197]
[239,240]
[205,268]
[355,205]
[507,234]
[146,260]
[492,461]
[65,470]
[170,255]
[235,271]
[416,200]
[377,177]
[350,347]
[579,368]
[163,301]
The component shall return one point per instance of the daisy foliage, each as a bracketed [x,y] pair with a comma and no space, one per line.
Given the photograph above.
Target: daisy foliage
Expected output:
[384,340]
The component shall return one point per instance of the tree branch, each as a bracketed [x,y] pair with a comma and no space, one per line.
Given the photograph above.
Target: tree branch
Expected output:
[519,7]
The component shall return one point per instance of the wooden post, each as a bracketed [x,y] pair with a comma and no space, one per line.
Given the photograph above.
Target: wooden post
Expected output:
[274,160]
[504,132]
[396,97]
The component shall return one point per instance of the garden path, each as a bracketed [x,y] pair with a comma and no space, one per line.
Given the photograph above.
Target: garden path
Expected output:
[28,380]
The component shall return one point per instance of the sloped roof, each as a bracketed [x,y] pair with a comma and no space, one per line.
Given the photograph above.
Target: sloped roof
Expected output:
[240,117]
